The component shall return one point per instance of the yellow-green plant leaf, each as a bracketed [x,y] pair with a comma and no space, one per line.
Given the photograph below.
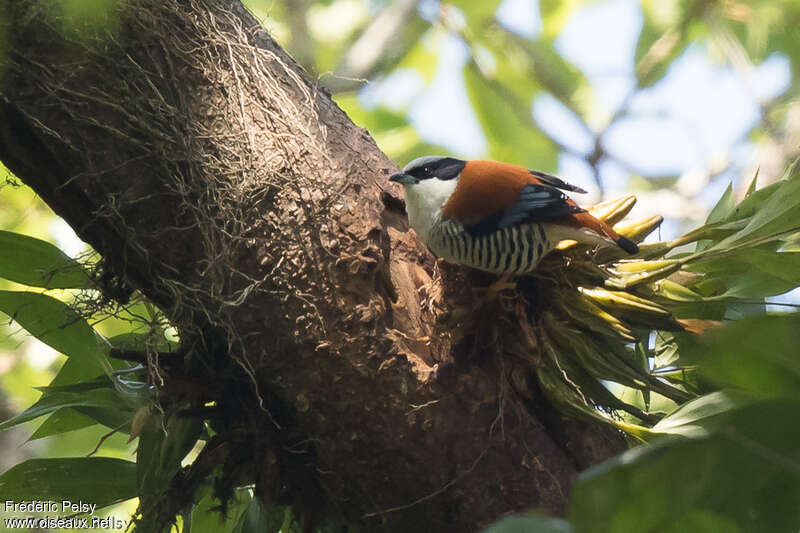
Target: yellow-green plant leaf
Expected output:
[96,480]
[61,421]
[104,401]
[745,471]
[38,263]
[58,325]
[509,130]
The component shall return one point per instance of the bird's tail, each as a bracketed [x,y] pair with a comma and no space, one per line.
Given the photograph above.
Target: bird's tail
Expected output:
[585,228]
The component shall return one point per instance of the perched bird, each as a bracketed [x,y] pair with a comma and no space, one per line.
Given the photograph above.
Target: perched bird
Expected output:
[493,216]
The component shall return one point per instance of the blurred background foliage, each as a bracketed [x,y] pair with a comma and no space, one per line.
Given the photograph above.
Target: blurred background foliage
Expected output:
[671,99]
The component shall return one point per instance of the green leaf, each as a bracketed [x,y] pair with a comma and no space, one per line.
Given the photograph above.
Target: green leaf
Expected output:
[779,215]
[692,419]
[666,350]
[374,120]
[753,187]
[143,342]
[100,402]
[161,450]
[206,514]
[753,202]
[182,434]
[62,421]
[525,67]
[703,522]
[148,450]
[746,472]
[99,382]
[723,209]
[509,129]
[749,273]
[421,59]
[770,26]
[757,354]
[256,519]
[555,14]
[478,12]
[561,78]
[95,480]
[56,324]
[532,523]
[38,263]
[664,36]
[74,371]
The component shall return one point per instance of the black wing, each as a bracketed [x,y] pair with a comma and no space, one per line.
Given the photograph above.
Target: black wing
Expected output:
[556,182]
[535,203]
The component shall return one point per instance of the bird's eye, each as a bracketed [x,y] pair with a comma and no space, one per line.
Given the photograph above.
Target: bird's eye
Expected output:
[426,170]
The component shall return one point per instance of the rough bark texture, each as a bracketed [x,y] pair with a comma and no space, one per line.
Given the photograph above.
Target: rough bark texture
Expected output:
[212,175]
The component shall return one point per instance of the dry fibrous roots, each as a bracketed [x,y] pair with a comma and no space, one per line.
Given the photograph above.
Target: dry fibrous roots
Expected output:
[221,203]
[213,177]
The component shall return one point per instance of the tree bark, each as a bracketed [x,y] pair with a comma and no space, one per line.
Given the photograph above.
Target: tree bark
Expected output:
[352,373]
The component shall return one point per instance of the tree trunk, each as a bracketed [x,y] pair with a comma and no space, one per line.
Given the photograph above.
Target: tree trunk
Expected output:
[352,373]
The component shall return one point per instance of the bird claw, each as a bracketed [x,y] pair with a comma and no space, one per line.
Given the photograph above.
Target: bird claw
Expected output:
[493,291]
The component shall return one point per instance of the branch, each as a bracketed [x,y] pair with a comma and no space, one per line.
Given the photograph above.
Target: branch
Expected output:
[195,156]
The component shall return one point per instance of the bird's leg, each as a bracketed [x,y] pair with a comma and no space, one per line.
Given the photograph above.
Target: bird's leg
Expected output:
[500,285]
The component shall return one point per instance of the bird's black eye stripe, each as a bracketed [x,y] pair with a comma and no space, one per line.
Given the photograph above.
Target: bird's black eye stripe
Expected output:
[445,168]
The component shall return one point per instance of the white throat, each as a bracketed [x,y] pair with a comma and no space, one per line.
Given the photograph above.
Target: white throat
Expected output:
[424,203]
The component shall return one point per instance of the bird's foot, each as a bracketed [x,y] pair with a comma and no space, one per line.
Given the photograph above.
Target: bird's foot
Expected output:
[494,290]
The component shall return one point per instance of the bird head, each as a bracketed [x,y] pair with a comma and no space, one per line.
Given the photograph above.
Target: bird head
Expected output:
[428,182]
[436,167]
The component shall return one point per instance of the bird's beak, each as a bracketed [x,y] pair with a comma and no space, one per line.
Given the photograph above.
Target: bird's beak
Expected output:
[404,179]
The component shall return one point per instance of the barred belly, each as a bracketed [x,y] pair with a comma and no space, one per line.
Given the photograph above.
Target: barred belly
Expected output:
[514,250]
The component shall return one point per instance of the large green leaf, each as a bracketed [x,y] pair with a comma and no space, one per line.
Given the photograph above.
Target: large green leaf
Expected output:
[60,327]
[746,472]
[525,67]
[161,449]
[63,420]
[509,129]
[143,342]
[749,273]
[148,477]
[696,417]
[95,480]
[778,215]
[737,467]
[38,263]
[205,515]
[664,36]
[74,371]
[507,59]
[758,354]
[726,219]
[719,213]
[103,402]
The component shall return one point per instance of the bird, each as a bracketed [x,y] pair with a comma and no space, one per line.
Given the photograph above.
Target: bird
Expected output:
[496,217]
